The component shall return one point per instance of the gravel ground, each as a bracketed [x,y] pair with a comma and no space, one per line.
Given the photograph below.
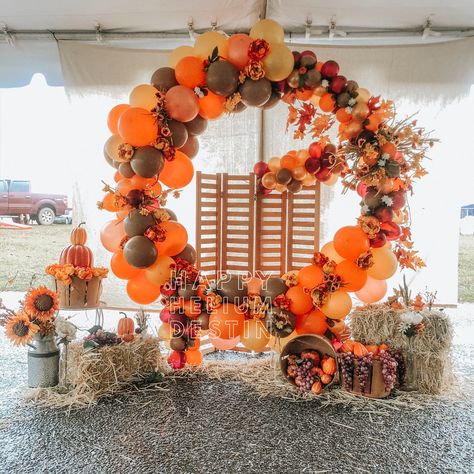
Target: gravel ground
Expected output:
[202,426]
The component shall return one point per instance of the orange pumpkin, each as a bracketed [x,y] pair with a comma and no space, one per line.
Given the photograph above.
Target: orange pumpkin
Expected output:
[79,235]
[383,347]
[317,387]
[126,328]
[373,348]
[77,255]
[326,378]
[360,350]
[347,346]
[329,366]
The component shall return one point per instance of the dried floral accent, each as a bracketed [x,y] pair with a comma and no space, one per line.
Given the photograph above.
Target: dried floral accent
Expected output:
[161,215]
[256,307]
[281,301]
[184,272]
[232,101]
[258,49]
[213,301]
[329,267]
[155,233]
[125,152]
[64,272]
[332,282]
[408,258]
[301,117]
[370,225]
[254,70]
[319,296]
[319,259]
[290,278]
[365,260]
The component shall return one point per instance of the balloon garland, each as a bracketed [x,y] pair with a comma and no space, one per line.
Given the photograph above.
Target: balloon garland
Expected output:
[154,138]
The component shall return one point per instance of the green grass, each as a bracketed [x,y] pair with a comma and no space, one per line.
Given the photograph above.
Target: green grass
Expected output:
[24,254]
[466,269]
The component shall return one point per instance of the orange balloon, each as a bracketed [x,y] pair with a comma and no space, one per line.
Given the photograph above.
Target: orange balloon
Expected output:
[313,322]
[112,234]
[118,176]
[109,203]
[124,186]
[141,183]
[175,240]
[192,309]
[390,149]
[114,115]
[197,344]
[226,322]
[373,291]
[289,161]
[301,302]
[330,252]
[193,357]
[350,242]
[353,276]
[211,105]
[138,127]
[141,290]
[120,268]
[338,305]
[178,172]
[327,103]
[189,72]
[304,94]
[342,116]
[310,276]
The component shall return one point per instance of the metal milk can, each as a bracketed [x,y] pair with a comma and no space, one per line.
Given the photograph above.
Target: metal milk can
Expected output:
[43,362]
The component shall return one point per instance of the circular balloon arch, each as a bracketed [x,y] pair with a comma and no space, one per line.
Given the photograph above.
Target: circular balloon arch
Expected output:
[154,138]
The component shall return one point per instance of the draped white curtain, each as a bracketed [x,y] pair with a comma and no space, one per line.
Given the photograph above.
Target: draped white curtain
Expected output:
[433,79]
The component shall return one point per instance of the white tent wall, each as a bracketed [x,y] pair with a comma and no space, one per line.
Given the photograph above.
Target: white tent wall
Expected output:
[432,79]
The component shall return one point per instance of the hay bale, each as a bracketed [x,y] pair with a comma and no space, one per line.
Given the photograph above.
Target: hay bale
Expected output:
[103,372]
[430,350]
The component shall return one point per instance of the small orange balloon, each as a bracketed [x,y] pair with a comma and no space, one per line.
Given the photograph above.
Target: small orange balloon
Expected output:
[120,268]
[304,94]
[211,105]
[327,103]
[124,186]
[196,345]
[150,183]
[342,116]
[353,277]
[189,72]
[350,242]
[274,164]
[390,149]
[141,290]
[313,322]
[310,276]
[299,173]
[300,302]
[193,357]
[109,203]
[176,238]
[289,161]
[114,115]
[138,127]
[226,322]
[118,176]
[178,172]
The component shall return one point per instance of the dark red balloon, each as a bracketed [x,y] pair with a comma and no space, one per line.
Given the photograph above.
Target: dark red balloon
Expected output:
[378,241]
[384,214]
[165,315]
[330,69]
[361,189]
[312,165]
[177,360]
[315,150]
[391,230]
[323,174]
[398,200]
[338,84]
[261,189]
[307,52]
[260,168]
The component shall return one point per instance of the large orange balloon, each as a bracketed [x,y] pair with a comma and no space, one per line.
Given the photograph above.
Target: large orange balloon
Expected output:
[109,203]
[300,302]
[223,344]
[353,277]
[120,268]
[193,357]
[178,172]
[141,290]
[114,115]
[373,291]
[161,271]
[255,336]
[112,234]
[313,322]
[190,72]
[226,322]
[175,240]
[124,186]
[350,242]
[385,264]
[337,306]
[211,105]
[310,276]
[138,127]
[141,183]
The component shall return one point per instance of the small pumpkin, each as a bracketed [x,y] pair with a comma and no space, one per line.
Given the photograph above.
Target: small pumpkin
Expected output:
[79,235]
[383,347]
[360,350]
[329,366]
[126,328]
[316,387]
[347,346]
[77,255]
[373,348]
[326,378]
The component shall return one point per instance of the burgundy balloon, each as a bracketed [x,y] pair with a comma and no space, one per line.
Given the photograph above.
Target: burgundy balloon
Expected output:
[315,150]
[312,165]
[165,315]
[379,240]
[330,69]
[384,214]
[178,323]
[391,230]
[307,52]
[260,168]
[338,84]
[323,174]
[261,189]
[361,189]
[398,200]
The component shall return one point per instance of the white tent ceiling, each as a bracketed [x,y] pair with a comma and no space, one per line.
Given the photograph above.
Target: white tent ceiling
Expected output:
[164,24]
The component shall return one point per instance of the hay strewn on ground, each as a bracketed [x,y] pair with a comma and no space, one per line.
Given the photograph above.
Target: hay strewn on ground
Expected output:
[95,374]
[431,348]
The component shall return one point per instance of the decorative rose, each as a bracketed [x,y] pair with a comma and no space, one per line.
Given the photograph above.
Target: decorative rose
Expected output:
[411,318]
[65,329]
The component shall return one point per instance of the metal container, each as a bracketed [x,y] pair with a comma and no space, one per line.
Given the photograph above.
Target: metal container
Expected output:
[43,362]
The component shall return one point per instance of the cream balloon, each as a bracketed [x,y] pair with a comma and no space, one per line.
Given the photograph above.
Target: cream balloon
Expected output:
[112,147]
[179,53]
[269,30]
[279,63]
[330,252]
[373,290]
[337,306]
[385,264]
[255,336]
[161,271]
[165,332]
[364,95]
[144,96]
[206,43]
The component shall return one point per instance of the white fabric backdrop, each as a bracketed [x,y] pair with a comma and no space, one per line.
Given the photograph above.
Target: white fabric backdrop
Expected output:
[434,79]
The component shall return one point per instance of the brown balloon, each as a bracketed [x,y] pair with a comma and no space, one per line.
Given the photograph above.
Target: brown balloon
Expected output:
[179,133]
[147,161]
[202,321]
[273,287]
[280,322]
[191,147]
[343,99]
[351,87]
[171,213]
[222,78]
[140,252]
[255,93]
[136,223]
[294,186]
[110,161]
[164,79]
[189,254]
[187,291]
[125,169]
[232,287]
[312,78]
[283,176]
[272,101]
[177,344]
[197,125]
[239,107]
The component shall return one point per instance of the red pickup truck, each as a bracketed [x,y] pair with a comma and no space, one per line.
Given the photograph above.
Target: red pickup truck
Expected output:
[17,200]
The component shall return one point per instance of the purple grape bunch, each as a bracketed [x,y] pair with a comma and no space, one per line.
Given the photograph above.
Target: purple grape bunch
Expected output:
[401,367]
[389,369]
[303,378]
[347,368]
[362,370]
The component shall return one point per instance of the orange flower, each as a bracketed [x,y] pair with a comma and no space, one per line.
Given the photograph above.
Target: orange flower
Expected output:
[84,273]
[20,330]
[41,303]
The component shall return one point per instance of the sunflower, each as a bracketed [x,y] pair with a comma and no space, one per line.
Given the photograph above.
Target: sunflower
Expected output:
[41,303]
[20,329]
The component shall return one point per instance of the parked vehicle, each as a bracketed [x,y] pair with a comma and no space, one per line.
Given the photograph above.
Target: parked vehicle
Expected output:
[17,200]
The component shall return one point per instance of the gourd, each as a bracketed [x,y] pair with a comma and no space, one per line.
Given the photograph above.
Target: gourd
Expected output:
[373,348]
[126,328]
[77,253]
[329,366]
[360,350]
